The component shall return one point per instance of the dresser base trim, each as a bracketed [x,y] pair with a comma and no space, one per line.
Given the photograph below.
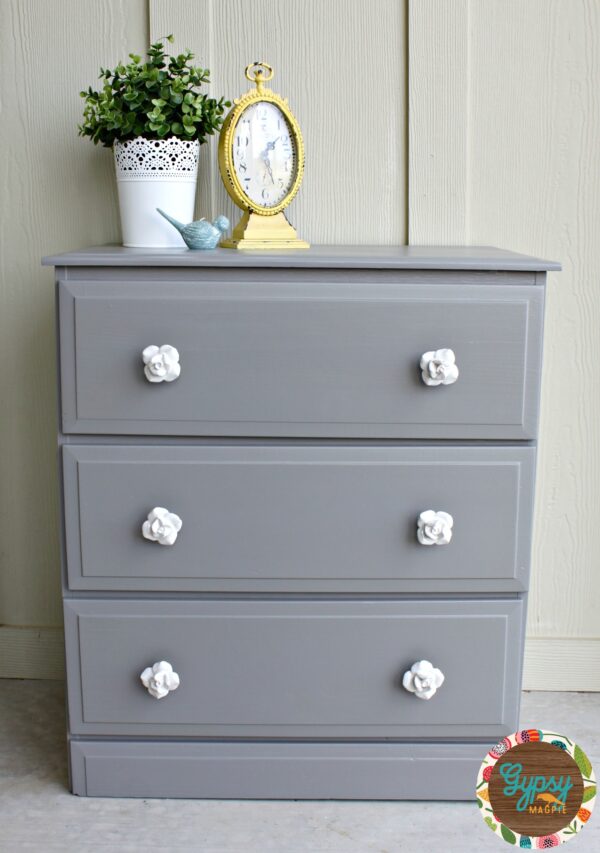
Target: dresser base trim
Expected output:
[295,771]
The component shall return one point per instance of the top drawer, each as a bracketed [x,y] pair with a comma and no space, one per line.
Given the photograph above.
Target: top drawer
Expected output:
[300,359]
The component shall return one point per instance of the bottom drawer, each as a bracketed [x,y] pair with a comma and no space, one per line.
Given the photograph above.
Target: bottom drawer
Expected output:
[281,770]
[289,669]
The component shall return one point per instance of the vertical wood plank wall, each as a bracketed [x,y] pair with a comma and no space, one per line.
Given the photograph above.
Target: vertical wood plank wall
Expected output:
[463,121]
[523,171]
[56,191]
[342,65]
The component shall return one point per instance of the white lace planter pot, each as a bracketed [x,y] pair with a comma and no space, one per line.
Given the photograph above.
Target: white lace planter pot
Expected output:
[150,174]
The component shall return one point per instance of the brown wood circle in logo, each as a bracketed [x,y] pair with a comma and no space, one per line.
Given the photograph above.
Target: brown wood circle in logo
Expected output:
[536,789]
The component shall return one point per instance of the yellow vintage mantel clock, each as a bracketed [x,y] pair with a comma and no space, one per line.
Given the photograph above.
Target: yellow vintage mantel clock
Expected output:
[261,159]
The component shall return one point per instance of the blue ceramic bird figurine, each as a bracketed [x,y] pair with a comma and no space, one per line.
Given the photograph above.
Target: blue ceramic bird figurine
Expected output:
[199,234]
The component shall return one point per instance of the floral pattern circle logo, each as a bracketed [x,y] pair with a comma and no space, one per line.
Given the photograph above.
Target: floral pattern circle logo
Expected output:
[536,789]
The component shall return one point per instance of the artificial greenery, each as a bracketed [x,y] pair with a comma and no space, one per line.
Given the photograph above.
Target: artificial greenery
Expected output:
[156,98]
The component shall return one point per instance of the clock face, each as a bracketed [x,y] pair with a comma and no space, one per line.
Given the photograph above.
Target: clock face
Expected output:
[264,154]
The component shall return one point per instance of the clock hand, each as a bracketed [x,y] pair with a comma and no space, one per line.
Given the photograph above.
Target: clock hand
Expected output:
[269,170]
[270,147]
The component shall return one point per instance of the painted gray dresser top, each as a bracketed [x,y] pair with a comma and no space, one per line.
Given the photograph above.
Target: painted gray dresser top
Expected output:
[323,257]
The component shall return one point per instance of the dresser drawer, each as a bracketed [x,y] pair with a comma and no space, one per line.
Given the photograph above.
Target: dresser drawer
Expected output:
[298,518]
[327,669]
[300,358]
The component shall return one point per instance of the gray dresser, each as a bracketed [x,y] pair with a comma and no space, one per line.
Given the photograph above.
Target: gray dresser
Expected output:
[297,503]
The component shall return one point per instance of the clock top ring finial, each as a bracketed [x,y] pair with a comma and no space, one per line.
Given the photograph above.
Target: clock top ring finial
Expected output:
[258,76]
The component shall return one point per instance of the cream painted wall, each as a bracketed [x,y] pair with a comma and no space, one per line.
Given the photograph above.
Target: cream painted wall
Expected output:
[56,192]
[504,114]
[342,65]
[503,118]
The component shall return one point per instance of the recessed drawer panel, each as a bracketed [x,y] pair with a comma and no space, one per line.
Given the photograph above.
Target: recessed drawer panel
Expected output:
[266,769]
[304,518]
[300,359]
[327,669]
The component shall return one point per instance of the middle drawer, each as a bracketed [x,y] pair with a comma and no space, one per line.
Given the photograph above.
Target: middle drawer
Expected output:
[301,518]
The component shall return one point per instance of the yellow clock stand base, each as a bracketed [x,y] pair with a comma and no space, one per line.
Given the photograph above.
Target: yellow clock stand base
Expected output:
[263,233]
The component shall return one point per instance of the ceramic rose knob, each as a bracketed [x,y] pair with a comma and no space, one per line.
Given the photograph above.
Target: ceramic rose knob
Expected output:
[159,679]
[434,528]
[162,526]
[423,679]
[161,364]
[438,367]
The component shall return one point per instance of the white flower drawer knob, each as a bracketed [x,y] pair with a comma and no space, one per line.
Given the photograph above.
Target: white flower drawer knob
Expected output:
[161,364]
[438,367]
[162,526]
[423,679]
[159,679]
[434,528]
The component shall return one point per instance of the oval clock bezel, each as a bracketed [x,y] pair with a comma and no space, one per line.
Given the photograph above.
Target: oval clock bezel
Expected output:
[226,167]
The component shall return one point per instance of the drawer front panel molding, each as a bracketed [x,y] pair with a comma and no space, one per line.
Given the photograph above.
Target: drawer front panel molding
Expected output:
[302,359]
[327,669]
[283,770]
[298,518]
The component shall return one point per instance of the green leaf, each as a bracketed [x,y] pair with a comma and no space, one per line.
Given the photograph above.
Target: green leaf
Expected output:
[582,761]
[507,835]
[588,793]
[153,96]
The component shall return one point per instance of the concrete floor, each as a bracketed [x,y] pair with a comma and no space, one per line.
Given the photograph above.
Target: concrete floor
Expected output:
[37,813]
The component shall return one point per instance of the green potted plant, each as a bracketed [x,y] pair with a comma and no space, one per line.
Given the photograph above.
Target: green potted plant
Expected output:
[154,117]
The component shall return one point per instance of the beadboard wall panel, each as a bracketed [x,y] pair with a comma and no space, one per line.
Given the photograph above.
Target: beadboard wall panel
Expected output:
[342,65]
[438,122]
[503,120]
[56,190]
[526,175]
